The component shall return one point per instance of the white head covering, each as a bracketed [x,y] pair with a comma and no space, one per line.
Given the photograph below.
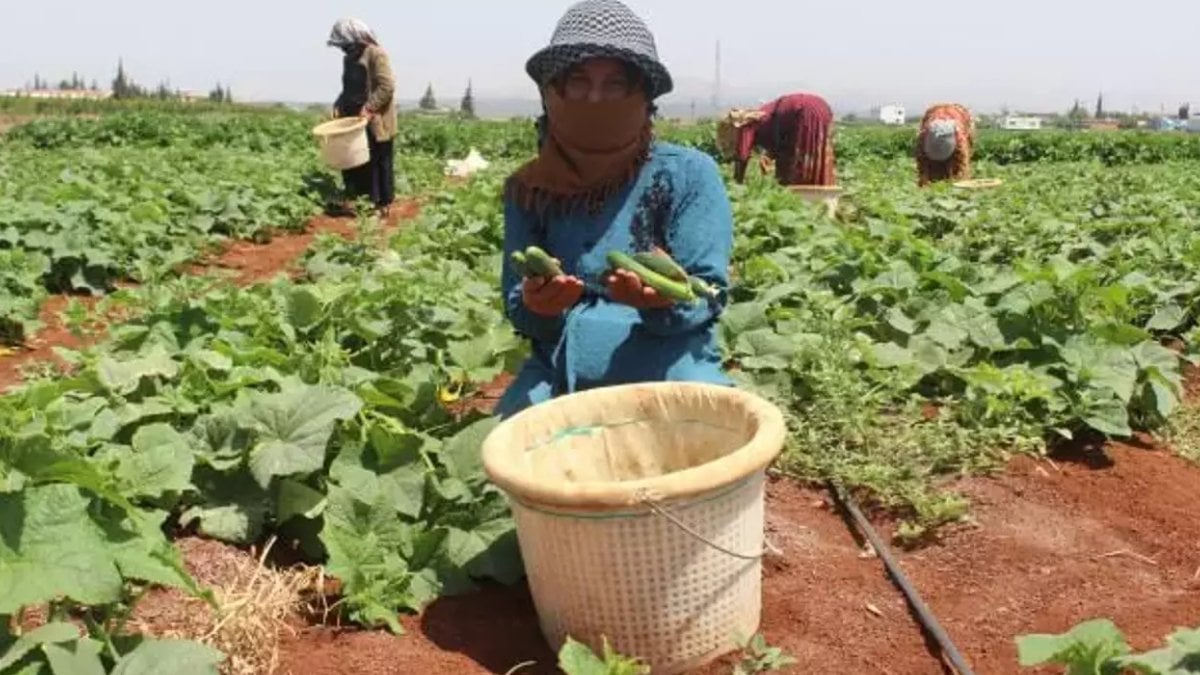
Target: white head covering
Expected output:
[350,31]
[940,140]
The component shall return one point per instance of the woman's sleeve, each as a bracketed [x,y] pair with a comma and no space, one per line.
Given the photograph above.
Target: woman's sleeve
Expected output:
[383,81]
[701,240]
[518,235]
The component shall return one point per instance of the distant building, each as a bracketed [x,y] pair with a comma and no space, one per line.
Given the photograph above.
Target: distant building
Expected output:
[891,114]
[1101,125]
[1015,123]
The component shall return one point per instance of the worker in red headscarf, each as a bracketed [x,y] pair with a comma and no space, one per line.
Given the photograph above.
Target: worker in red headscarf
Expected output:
[796,131]
[944,144]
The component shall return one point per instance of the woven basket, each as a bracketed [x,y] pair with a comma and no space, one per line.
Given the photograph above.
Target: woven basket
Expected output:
[639,512]
[978,184]
[829,195]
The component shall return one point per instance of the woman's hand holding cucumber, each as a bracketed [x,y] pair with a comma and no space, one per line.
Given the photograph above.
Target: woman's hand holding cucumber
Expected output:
[551,296]
[627,288]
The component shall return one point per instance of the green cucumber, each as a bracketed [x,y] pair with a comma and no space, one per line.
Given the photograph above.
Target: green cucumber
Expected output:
[665,286]
[701,287]
[662,264]
[519,264]
[538,263]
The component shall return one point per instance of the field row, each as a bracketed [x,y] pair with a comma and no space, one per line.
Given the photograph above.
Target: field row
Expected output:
[921,334]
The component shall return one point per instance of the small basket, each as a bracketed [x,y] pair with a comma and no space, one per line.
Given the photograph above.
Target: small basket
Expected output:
[639,512]
[978,184]
[343,142]
[829,195]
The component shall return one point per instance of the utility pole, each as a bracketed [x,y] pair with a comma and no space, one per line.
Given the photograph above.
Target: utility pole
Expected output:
[716,97]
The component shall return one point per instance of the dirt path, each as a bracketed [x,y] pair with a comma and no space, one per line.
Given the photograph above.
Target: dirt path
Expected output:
[1090,534]
[245,261]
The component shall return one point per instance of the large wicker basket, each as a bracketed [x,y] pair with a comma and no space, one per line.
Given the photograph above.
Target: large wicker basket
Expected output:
[639,512]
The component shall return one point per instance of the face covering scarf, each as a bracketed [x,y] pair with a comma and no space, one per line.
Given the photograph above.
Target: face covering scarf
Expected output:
[591,151]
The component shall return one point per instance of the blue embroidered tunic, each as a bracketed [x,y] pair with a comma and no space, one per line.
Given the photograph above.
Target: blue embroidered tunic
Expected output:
[678,203]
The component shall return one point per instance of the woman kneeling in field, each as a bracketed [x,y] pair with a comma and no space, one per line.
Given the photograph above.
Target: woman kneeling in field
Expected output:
[601,183]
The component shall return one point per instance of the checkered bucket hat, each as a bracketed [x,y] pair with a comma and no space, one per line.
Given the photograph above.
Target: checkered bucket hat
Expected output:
[601,29]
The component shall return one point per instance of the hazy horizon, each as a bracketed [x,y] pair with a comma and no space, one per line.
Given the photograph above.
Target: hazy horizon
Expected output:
[858,55]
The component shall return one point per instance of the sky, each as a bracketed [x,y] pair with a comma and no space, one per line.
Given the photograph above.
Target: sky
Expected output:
[1031,55]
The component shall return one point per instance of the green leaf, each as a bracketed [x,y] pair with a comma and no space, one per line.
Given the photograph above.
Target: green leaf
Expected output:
[177,657]
[304,307]
[50,547]
[1086,648]
[33,456]
[764,349]
[1181,656]
[160,461]
[742,317]
[891,355]
[1167,318]
[462,453]
[294,427]
[402,487]
[1110,417]
[488,550]
[75,658]
[297,499]
[51,633]
[576,658]
[234,507]
[896,318]
[123,377]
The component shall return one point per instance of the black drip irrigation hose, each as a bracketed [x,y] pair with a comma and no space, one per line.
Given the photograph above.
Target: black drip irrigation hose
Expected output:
[928,621]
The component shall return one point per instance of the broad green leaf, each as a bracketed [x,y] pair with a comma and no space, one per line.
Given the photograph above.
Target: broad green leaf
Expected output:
[177,657]
[234,507]
[50,547]
[897,319]
[462,453]
[33,456]
[948,327]
[891,355]
[160,461]
[764,349]
[488,550]
[1086,648]
[122,377]
[1167,318]
[294,428]
[402,487]
[297,499]
[51,633]
[304,307]
[1109,417]
[741,318]
[75,658]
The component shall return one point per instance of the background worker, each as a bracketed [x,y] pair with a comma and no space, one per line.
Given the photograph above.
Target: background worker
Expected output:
[944,144]
[796,131]
[368,90]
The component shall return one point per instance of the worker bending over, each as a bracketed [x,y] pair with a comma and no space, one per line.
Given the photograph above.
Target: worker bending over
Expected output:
[796,131]
[944,144]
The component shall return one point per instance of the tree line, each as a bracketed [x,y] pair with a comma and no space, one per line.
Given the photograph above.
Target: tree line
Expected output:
[124,87]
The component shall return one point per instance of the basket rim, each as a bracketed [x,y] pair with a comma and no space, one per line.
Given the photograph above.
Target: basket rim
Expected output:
[340,126]
[770,433]
[831,189]
[979,183]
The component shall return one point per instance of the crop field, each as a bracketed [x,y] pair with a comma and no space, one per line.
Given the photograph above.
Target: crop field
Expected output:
[238,435]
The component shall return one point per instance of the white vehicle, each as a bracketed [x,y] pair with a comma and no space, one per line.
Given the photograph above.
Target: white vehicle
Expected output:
[1013,123]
